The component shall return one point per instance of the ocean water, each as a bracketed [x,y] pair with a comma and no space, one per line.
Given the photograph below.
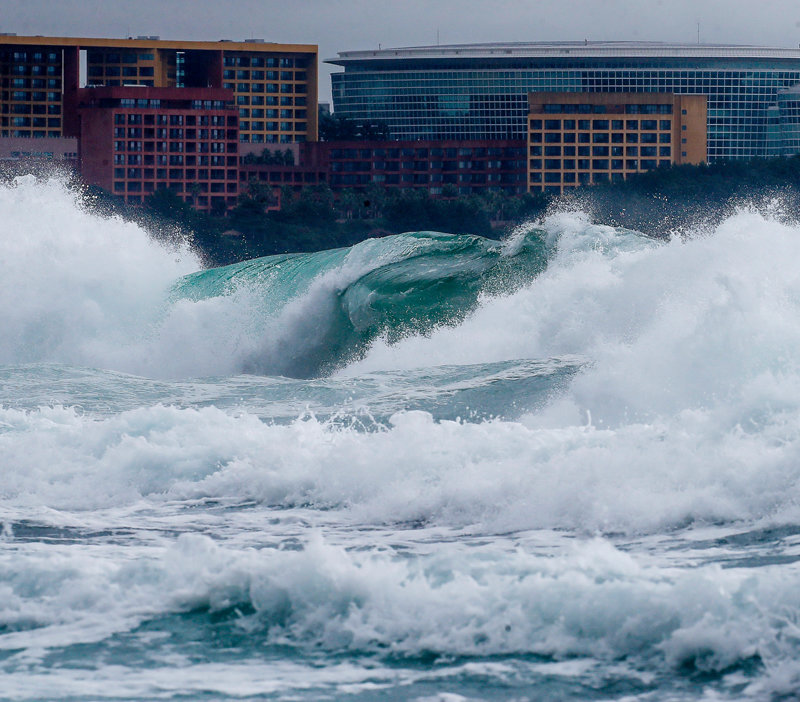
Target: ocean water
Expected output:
[565,466]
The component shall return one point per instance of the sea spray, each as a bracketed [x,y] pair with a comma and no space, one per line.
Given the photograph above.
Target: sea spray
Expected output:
[77,288]
[92,291]
[568,472]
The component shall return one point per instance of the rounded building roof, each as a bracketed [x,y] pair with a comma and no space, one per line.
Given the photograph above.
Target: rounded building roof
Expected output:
[566,49]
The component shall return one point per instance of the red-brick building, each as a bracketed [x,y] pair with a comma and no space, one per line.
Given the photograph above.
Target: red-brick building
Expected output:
[468,166]
[136,140]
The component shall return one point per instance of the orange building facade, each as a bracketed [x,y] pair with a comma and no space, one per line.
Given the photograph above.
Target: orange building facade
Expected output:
[586,138]
[274,86]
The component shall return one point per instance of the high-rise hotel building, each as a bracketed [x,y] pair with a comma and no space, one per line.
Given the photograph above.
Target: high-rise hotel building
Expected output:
[480,91]
[144,114]
[274,86]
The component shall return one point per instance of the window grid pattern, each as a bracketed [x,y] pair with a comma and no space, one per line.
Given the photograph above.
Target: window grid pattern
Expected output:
[116,67]
[271,93]
[470,168]
[274,91]
[565,153]
[193,153]
[31,92]
[479,102]
[784,124]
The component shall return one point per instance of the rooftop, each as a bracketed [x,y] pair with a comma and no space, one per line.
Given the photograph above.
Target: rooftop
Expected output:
[153,42]
[567,49]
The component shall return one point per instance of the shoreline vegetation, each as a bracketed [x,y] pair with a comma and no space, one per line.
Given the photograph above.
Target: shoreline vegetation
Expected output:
[659,203]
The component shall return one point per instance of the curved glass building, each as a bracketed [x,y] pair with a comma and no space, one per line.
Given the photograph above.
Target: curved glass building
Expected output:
[479,91]
[784,125]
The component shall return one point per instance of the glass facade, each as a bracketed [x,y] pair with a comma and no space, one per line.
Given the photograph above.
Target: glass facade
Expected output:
[784,127]
[451,95]
[115,67]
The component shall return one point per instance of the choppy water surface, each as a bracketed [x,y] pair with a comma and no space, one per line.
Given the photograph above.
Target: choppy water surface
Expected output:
[429,467]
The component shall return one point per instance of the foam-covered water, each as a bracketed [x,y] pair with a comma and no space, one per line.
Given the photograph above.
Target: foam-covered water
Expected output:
[561,467]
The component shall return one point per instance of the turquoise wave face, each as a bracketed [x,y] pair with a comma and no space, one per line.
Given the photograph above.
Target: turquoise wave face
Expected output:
[327,307]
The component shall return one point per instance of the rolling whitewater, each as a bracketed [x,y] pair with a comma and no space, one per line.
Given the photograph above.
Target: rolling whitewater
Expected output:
[562,466]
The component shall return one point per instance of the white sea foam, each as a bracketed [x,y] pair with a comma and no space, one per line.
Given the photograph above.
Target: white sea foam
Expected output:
[590,601]
[496,475]
[686,415]
[687,412]
[85,290]
[73,285]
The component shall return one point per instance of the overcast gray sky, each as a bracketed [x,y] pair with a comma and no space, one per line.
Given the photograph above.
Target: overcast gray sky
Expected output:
[339,25]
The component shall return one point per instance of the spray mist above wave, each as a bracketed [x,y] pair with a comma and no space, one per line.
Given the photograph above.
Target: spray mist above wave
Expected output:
[76,287]
[668,326]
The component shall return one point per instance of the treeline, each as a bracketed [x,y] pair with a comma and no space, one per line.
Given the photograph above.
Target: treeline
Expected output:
[658,203]
[270,157]
[314,219]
